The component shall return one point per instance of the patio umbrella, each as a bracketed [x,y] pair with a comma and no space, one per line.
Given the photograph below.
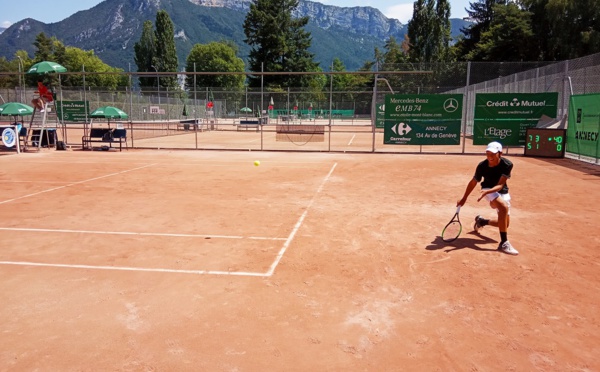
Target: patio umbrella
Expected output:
[10,137]
[246,109]
[109,112]
[15,109]
[46,67]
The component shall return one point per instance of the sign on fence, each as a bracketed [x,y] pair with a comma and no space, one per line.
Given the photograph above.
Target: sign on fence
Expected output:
[76,111]
[584,125]
[422,119]
[505,117]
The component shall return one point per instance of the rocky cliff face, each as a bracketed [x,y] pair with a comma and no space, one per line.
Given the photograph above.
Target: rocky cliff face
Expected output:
[360,20]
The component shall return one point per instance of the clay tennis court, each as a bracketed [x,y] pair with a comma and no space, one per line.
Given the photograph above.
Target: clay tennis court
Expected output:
[147,260]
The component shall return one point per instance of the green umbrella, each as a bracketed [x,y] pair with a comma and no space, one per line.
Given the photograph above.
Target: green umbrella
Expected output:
[246,109]
[46,67]
[15,109]
[109,112]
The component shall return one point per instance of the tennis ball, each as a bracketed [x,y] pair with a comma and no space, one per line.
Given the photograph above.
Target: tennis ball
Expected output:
[256,163]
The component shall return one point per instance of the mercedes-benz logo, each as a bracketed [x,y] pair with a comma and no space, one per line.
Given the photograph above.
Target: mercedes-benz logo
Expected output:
[451,105]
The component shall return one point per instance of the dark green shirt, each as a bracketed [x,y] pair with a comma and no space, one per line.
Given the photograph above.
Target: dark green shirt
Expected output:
[491,175]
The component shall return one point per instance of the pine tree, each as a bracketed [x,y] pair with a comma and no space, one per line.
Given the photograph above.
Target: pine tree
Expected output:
[481,14]
[166,53]
[278,43]
[429,31]
[44,48]
[145,50]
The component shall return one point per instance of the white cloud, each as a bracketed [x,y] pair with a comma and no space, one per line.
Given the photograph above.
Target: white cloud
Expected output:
[401,12]
[5,24]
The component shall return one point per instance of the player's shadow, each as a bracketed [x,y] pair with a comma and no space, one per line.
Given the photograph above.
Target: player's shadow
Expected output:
[472,242]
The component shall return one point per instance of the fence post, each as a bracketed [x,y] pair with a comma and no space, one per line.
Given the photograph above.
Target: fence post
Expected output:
[465,104]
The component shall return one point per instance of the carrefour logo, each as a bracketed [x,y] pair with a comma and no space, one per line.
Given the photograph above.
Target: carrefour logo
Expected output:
[401,129]
[515,102]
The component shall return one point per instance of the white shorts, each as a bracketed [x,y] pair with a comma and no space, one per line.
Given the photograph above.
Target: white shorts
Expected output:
[492,196]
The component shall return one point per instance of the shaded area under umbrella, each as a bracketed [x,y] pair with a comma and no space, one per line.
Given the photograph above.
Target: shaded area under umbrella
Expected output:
[108,112]
[15,109]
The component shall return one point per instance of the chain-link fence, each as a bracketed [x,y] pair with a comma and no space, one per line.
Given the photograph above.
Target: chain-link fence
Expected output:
[341,111]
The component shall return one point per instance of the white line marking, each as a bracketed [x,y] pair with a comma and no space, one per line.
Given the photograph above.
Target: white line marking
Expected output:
[351,139]
[122,268]
[196,272]
[75,183]
[298,224]
[139,233]
[413,264]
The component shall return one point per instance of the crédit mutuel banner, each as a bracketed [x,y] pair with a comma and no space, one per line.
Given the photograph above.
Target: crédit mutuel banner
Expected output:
[505,117]
[77,111]
[422,119]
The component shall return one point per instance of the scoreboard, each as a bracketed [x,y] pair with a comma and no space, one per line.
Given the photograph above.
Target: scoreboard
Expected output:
[545,142]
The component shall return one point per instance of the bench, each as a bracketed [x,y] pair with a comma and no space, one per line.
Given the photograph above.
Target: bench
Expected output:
[188,124]
[106,135]
[251,123]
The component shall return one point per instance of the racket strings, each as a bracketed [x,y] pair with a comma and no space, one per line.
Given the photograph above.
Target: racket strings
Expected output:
[451,231]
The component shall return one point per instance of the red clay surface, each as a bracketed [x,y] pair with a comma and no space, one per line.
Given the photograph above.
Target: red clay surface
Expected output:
[191,260]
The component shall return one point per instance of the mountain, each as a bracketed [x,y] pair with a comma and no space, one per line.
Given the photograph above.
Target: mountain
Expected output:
[112,27]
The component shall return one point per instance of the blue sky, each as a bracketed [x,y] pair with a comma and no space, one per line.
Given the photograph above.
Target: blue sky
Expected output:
[57,10]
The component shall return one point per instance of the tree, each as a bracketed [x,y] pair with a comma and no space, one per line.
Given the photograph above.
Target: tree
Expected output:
[429,31]
[166,54]
[278,43]
[215,57]
[81,60]
[20,63]
[145,50]
[565,29]
[156,52]
[508,39]
[481,14]
[44,48]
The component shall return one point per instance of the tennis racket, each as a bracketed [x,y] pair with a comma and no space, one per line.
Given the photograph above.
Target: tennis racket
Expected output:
[453,228]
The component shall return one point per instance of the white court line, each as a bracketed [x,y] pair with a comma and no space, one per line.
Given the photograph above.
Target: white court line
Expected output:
[139,233]
[269,273]
[75,183]
[298,224]
[123,268]
[351,140]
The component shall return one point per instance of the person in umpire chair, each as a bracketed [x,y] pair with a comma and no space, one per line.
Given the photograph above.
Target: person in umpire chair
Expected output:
[45,95]
[494,171]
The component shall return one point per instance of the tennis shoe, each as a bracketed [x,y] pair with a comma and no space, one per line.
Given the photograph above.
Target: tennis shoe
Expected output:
[42,110]
[477,226]
[507,248]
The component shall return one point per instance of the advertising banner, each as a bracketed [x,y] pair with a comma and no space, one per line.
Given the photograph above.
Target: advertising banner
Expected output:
[380,115]
[505,117]
[584,125]
[423,119]
[430,132]
[76,111]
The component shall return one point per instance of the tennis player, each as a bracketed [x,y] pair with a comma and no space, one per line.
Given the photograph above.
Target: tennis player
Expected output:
[494,171]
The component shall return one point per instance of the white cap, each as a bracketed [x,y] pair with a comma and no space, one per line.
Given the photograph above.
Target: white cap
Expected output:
[494,147]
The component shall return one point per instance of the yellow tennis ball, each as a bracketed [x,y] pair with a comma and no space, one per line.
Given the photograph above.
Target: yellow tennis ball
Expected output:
[256,163]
